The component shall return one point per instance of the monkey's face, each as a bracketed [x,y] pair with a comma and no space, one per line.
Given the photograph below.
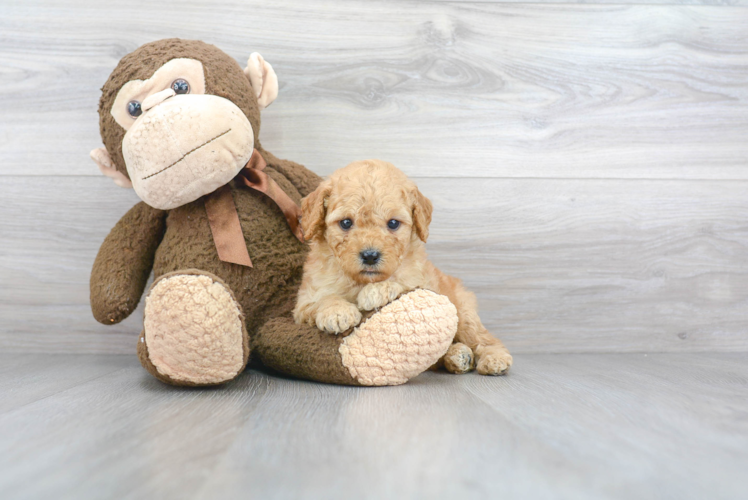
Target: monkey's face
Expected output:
[180,143]
[179,119]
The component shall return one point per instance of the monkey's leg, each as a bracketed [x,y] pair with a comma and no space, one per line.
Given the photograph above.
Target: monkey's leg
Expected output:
[194,332]
[396,343]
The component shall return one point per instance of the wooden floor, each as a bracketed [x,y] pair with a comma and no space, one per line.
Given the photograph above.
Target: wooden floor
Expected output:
[638,426]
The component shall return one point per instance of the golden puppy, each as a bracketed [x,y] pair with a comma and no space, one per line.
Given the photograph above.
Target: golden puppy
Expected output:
[367,225]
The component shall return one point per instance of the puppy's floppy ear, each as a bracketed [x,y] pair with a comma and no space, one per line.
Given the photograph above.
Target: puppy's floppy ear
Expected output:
[422,209]
[313,208]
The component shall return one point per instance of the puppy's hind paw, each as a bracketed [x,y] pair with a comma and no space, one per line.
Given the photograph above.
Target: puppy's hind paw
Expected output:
[459,359]
[338,318]
[493,361]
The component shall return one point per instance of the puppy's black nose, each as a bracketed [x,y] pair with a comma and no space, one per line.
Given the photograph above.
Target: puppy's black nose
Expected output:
[370,257]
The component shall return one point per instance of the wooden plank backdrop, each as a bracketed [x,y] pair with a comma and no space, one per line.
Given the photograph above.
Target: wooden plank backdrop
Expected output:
[588,162]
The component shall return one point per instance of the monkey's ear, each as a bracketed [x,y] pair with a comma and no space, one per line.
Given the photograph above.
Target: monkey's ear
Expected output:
[263,79]
[313,208]
[102,159]
[422,209]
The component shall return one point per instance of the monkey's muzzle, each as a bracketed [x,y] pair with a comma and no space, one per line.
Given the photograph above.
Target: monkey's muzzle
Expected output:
[185,147]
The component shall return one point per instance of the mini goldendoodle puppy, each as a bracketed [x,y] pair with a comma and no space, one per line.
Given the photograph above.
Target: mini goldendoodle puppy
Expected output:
[367,225]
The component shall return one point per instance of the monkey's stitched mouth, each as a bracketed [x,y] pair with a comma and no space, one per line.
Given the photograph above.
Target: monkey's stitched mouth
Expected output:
[188,153]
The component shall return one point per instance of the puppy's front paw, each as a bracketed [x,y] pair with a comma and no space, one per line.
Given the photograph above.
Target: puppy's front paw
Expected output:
[338,317]
[376,295]
[493,360]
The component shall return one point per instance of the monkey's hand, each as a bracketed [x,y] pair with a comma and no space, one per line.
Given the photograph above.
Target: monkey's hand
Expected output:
[124,262]
[375,295]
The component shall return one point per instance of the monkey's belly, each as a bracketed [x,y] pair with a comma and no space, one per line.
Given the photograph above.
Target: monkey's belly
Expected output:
[266,290]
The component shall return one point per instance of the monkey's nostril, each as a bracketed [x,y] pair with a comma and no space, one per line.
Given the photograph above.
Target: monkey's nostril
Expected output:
[370,257]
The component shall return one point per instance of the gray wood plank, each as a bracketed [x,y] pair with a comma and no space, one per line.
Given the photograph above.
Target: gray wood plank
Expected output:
[422,440]
[557,265]
[28,378]
[596,265]
[658,426]
[48,328]
[122,436]
[670,426]
[51,232]
[444,89]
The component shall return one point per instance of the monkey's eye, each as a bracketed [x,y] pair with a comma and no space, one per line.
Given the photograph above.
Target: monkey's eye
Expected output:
[345,224]
[133,107]
[180,86]
[393,224]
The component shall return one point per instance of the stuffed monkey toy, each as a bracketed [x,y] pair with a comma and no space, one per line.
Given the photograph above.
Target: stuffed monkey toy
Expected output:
[218,226]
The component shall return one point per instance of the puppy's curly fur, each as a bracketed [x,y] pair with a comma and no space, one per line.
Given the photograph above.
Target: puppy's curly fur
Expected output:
[367,225]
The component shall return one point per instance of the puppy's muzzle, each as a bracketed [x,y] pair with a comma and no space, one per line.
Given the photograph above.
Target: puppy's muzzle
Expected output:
[370,257]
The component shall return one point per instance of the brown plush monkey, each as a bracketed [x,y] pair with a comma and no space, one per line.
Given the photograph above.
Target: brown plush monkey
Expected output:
[180,122]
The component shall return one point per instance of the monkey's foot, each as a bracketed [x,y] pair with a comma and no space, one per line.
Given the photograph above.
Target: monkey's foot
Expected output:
[403,339]
[194,331]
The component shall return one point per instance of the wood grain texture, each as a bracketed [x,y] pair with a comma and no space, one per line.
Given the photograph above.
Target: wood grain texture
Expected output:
[647,417]
[51,232]
[30,378]
[565,265]
[557,265]
[443,89]
[528,126]
[558,426]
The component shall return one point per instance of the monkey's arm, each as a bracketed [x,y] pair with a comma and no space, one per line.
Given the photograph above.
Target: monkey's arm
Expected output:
[303,179]
[124,262]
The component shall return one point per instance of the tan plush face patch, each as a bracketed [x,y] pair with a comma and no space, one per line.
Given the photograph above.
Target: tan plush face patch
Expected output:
[180,143]
[186,147]
[132,94]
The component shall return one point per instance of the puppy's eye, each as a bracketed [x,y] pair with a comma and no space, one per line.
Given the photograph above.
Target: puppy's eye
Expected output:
[133,108]
[393,224]
[180,86]
[345,224]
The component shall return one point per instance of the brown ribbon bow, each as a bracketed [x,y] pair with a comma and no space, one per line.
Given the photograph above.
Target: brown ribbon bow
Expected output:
[224,220]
